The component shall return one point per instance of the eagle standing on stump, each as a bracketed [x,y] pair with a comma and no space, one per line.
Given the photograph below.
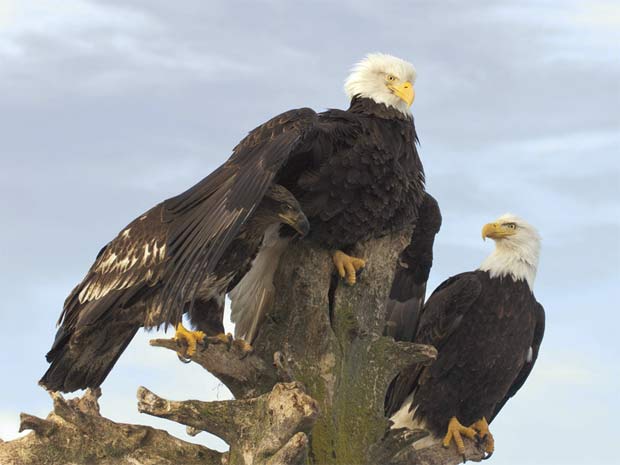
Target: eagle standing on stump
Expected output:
[360,178]
[350,175]
[147,275]
[487,327]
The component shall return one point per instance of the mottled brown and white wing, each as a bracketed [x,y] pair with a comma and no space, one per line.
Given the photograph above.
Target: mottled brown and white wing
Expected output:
[135,257]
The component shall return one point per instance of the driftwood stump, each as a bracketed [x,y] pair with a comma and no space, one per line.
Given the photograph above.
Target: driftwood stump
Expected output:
[312,392]
[75,433]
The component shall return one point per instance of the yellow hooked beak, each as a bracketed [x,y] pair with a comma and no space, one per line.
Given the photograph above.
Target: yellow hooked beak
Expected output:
[496,231]
[403,90]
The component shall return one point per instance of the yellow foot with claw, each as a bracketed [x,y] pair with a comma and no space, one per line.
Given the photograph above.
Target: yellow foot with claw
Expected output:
[191,338]
[347,266]
[221,338]
[455,431]
[245,348]
[482,427]
[228,340]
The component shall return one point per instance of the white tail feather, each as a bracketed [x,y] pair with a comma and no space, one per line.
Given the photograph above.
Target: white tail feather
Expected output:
[405,418]
[251,298]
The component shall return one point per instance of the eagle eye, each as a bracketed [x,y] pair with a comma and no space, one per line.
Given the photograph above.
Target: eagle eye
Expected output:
[510,225]
[390,78]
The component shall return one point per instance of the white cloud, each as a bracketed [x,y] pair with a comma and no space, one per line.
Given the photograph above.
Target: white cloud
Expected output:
[565,369]
[599,14]
[98,49]
[64,19]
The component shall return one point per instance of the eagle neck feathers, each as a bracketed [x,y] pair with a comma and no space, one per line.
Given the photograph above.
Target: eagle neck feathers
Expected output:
[507,263]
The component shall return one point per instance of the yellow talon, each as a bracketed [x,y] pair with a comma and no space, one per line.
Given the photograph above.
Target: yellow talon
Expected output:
[455,430]
[227,339]
[482,427]
[348,266]
[243,346]
[191,338]
[220,338]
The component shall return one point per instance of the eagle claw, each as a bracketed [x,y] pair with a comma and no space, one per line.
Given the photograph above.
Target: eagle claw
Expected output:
[484,437]
[221,338]
[455,431]
[227,339]
[191,339]
[349,268]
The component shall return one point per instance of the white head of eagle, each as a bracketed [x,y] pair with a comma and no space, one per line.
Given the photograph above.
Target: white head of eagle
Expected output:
[384,79]
[517,247]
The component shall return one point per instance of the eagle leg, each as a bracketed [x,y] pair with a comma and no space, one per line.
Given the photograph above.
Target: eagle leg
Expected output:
[455,430]
[348,267]
[228,340]
[191,338]
[482,427]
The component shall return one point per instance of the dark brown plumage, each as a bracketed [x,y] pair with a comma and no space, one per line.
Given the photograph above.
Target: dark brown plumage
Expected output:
[367,178]
[355,173]
[488,333]
[412,270]
[358,177]
[131,284]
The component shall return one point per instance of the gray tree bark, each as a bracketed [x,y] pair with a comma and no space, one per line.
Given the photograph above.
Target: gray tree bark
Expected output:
[312,392]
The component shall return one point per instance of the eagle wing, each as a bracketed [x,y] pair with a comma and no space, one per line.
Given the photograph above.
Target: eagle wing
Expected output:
[412,270]
[163,257]
[180,241]
[446,307]
[135,257]
[205,219]
[539,331]
[440,317]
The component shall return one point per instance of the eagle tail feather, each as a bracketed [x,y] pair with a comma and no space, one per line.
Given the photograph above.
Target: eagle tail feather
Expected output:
[84,358]
[254,294]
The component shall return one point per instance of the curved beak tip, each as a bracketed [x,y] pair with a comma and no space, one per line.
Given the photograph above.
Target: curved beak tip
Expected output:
[404,91]
[303,227]
[489,230]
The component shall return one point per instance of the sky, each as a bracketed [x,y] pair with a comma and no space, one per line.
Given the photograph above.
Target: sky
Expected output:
[110,107]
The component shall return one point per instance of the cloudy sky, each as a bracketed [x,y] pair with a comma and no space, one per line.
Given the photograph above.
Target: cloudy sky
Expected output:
[109,107]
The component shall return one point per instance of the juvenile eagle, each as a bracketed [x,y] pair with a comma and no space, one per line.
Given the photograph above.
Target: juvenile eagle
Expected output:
[355,174]
[182,255]
[487,326]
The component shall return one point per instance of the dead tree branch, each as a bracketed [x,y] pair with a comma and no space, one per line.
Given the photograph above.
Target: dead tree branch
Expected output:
[75,433]
[311,392]
[259,430]
[397,448]
[246,375]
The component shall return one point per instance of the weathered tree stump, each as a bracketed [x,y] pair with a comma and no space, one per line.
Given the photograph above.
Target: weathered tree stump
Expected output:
[260,430]
[332,336]
[312,392]
[75,433]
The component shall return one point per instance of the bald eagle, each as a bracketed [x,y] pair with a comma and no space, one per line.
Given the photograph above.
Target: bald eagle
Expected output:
[344,175]
[487,327]
[360,178]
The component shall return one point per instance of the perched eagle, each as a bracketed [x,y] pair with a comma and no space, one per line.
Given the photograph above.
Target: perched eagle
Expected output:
[182,255]
[355,174]
[360,178]
[487,326]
